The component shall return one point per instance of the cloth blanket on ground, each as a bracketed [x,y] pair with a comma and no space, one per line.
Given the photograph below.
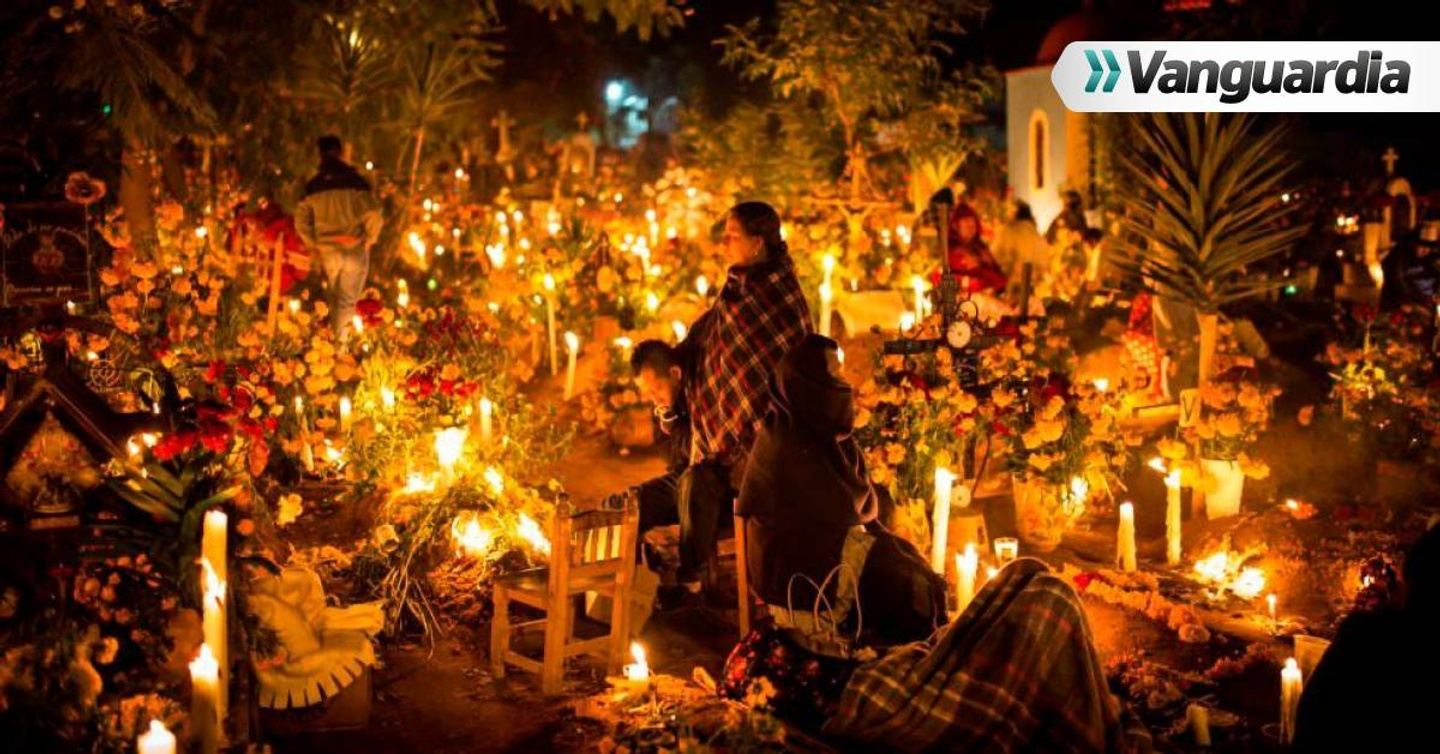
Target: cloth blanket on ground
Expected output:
[1017,672]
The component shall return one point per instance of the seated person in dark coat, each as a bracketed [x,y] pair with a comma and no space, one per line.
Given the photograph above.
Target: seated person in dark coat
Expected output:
[808,506]
[1370,692]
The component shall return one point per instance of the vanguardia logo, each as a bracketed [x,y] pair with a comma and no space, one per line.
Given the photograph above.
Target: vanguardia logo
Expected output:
[1268,76]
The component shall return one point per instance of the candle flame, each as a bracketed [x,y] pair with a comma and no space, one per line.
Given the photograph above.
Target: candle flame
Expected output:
[1227,571]
[1102,384]
[417,483]
[1157,463]
[495,480]
[702,285]
[548,281]
[387,398]
[652,302]
[472,538]
[638,652]
[449,445]
[679,328]
[532,533]
[572,342]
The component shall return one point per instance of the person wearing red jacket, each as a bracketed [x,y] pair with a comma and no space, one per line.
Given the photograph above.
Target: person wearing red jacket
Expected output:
[968,258]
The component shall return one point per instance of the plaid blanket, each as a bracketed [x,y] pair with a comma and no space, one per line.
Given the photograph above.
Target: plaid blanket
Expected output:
[759,314]
[1016,673]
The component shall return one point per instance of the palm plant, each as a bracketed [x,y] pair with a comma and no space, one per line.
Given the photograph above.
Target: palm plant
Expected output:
[437,81]
[1201,209]
[350,69]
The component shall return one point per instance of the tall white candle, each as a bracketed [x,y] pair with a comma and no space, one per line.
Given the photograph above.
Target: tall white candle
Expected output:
[827,268]
[572,347]
[214,629]
[917,283]
[487,410]
[825,298]
[1291,685]
[550,324]
[1199,716]
[1125,539]
[213,546]
[940,518]
[204,701]
[158,740]
[966,564]
[1172,518]
[344,413]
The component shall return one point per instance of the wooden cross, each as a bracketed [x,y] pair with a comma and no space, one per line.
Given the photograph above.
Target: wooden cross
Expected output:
[1390,158]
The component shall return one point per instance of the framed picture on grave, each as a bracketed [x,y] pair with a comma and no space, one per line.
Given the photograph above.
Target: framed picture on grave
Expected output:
[45,254]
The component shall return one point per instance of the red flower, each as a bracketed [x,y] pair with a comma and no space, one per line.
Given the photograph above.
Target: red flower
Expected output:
[369,310]
[251,428]
[215,372]
[216,435]
[175,443]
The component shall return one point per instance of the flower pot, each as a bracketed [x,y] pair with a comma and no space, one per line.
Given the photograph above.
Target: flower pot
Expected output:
[1041,517]
[1222,499]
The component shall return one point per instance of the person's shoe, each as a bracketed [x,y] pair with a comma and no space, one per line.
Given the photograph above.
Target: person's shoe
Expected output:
[677,597]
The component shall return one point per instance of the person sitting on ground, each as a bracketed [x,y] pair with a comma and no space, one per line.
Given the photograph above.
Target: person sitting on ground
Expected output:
[1016,672]
[339,220]
[969,258]
[1360,696]
[807,501]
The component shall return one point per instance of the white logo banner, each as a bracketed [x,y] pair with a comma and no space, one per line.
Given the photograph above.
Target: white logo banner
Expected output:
[1363,77]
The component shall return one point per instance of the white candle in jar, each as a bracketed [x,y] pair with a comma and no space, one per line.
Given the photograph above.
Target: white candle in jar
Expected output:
[158,740]
[1125,539]
[966,565]
[1172,518]
[204,701]
[940,518]
[1291,684]
[638,672]
[572,347]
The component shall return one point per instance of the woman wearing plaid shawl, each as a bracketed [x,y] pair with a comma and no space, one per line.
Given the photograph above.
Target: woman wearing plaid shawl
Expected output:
[736,345]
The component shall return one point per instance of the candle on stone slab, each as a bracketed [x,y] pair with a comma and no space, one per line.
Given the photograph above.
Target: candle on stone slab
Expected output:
[572,347]
[1291,684]
[205,718]
[1172,518]
[549,283]
[344,413]
[487,411]
[966,564]
[1007,549]
[1125,539]
[940,518]
[157,740]
[825,299]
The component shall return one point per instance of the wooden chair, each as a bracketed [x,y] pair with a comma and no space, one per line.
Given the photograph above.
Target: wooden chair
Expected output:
[593,551]
[734,548]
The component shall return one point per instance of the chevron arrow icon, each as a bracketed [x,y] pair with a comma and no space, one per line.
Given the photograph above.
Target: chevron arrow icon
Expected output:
[1096,70]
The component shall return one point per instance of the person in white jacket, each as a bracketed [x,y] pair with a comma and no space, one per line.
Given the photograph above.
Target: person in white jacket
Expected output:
[1020,243]
[339,219]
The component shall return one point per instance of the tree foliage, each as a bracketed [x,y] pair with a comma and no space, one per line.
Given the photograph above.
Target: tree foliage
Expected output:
[1202,208]
[875,65]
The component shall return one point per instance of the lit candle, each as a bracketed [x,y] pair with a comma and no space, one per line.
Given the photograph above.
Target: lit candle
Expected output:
[679,328]
[624,343]
[825,298]
[637,672]
[213,628]
[1007,549]
[966,564]
[387,398]
[487,410]
[550,324]
[1270,605]
[702,286]
[204,701]
[1290,687]
[357,324]
[917,283]
[827,266]
[940,518]
[1172,518]
[572,347]
[1125,539]
[294,306]
[213,546]
[158,740]
[907,321]
[449,446]
[344,413]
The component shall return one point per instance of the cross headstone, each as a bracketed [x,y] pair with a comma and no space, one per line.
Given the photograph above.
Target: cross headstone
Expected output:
[1390,158]
[502,123]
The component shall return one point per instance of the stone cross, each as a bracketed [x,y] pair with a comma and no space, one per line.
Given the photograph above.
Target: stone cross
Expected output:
[502,122]
[1390,158]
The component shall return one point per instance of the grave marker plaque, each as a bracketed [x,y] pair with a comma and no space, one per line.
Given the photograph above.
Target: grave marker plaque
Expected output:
[45,254]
